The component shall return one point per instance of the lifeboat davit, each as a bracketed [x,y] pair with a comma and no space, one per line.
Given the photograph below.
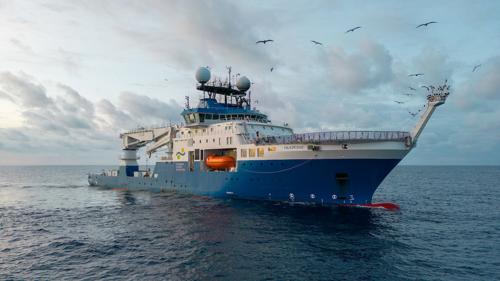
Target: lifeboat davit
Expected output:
[220,162]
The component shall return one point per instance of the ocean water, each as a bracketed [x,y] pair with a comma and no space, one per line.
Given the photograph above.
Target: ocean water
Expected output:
[53,226]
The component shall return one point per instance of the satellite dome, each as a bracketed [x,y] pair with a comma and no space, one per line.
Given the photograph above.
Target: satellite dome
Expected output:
[203,75]
[243,83]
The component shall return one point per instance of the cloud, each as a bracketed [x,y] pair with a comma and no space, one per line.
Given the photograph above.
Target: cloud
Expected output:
[5,96]
[481,89]
[485,82]
[66,121]
[149,109]
[70,61]
[23,90]
[366,68]
[192,33]
[21,45]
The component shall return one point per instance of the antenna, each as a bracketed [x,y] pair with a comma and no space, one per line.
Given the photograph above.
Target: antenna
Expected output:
[187,102]
[229,75]
[250,99]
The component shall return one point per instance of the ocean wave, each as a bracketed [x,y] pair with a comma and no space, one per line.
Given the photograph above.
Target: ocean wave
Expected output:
[54,186]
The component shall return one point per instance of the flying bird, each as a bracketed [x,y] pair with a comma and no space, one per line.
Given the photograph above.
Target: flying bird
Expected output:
[411,88]
[426,24]
[264,41]
[408,94]
[475,67]
[353,29]
[413,114]
[272,68]
[399,102]
[415,74]
[316,42]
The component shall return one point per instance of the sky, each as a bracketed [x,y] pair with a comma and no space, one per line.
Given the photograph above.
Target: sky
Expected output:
[74,74]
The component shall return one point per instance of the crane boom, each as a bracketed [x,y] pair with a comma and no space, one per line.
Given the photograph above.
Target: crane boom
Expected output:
[160,137]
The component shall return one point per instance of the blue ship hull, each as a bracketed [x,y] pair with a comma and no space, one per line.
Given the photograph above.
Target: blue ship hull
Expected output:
[309,181]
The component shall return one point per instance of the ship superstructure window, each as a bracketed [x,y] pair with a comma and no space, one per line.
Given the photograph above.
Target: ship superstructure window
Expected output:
[260,152]
[196,154]
[244,152]
[251,152]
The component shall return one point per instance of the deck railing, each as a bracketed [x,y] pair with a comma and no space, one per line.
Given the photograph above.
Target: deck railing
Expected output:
[335,137]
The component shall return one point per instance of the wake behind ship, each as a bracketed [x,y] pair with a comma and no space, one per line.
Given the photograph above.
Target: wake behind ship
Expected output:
[229,149]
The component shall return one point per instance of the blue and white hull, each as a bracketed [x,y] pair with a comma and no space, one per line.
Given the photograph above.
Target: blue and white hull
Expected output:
[310,181]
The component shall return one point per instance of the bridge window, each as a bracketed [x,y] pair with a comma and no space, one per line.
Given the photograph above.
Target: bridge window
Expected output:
[202,117]
[260,152]
[208,116]
[251,152]
[215,116]
[243,153]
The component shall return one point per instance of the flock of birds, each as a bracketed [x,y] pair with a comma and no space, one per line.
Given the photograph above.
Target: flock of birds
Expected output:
[428,88]
[347,31]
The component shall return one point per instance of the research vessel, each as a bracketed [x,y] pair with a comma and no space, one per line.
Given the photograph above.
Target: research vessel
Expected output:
[226,148]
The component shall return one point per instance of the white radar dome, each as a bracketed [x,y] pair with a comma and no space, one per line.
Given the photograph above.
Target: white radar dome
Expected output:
[243,83]
[203,75]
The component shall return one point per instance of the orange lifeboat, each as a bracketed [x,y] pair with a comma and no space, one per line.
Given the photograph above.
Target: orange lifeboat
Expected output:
[220,162]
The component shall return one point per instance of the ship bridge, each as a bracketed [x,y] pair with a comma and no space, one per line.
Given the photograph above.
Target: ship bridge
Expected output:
[222,101]
[209,110]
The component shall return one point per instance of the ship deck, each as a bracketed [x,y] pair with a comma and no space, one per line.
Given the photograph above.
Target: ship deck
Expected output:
[335,137]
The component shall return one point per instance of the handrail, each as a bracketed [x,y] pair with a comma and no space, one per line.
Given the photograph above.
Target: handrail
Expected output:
[334,137]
